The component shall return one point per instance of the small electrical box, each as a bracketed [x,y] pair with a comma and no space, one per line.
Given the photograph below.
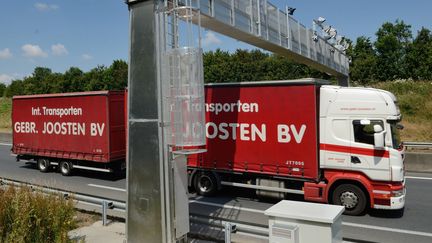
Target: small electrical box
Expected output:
[302,222]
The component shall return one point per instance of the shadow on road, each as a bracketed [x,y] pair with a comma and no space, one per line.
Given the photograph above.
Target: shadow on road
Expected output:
[232,193]
[392,214]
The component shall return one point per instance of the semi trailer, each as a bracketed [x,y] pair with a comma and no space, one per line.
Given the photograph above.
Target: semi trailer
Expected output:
[331,144]
[83,130]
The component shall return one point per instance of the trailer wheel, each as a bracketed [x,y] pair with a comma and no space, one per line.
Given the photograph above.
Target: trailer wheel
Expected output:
[43,165]
[352,197]
[205,184]
[66,168]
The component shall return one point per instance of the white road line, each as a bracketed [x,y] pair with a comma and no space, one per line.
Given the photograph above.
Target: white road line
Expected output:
[108,187]
[410,232]
[6,144]
[418,178]
[227,206]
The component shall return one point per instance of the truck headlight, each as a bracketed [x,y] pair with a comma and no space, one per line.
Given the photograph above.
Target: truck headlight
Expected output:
[397,193]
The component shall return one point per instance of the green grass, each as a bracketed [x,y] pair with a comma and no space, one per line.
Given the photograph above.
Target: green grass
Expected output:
[29,216]
[5,114]
[415,103]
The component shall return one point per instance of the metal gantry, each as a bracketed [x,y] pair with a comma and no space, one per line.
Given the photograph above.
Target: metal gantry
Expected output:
[157,208]
[262,24]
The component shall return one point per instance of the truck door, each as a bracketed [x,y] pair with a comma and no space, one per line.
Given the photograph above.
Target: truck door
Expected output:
[365,156]
[336,143]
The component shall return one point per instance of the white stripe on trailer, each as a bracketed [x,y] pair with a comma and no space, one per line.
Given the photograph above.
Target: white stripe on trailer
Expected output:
[90,168]
[264,188]
[6,144]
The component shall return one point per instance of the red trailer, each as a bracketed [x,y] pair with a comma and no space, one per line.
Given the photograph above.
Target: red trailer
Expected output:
[259,131]
[84,130]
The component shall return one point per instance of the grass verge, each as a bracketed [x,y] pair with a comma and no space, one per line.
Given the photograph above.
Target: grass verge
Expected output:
[415,103]
[5,114]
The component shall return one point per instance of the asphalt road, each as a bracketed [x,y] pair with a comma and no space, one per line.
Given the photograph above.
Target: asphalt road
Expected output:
[414,224]
[87,182]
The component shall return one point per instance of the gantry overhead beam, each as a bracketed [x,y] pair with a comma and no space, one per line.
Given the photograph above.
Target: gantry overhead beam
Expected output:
[262,24]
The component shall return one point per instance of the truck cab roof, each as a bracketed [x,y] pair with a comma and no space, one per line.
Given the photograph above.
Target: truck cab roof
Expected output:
[358,102]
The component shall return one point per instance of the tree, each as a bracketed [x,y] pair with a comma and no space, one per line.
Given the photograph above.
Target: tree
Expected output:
[364,61]
[73,80]
[16,87]
[391,45]
[38,83]
[217,66]
[118,75]
[255,65]
[96,79]
[419,56]
[2,89]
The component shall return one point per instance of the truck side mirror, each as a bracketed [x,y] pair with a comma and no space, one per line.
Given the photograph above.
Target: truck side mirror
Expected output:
[377,128]
[379,135]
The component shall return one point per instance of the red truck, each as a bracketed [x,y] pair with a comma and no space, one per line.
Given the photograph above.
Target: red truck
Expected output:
[84,130]
[330,144]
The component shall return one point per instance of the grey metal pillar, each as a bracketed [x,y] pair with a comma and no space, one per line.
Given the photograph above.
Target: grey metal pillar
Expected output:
[145,185]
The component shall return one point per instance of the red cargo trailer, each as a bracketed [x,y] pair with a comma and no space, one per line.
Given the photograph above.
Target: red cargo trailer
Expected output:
[84,130]
[259,131]
[246,123]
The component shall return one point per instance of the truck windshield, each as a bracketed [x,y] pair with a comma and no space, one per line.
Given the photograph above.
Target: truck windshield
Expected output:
[395,134]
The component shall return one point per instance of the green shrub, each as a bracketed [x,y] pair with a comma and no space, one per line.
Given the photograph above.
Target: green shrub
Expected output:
[5,114]
[28,216]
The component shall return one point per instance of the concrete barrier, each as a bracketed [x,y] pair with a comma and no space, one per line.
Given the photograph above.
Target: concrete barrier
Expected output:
[5,138]
[418,162]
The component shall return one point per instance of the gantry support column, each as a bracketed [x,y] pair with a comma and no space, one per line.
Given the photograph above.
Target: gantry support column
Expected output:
[146,219]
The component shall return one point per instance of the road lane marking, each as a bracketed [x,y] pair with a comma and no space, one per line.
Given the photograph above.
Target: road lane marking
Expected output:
[108,187]
[419,178]
[410,232]
[6,144]
[227,206]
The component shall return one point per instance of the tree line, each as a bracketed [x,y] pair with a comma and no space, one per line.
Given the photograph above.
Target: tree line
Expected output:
[219,66]
[44,81]
[395,54]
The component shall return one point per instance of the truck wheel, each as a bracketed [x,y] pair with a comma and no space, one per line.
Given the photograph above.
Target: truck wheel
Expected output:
[66,168]
[43,165]
[205,184]
[352,197]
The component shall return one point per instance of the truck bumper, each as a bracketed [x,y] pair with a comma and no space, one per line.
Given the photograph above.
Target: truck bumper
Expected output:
[392,199]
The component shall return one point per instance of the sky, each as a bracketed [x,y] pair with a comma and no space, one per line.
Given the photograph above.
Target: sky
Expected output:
[86,33]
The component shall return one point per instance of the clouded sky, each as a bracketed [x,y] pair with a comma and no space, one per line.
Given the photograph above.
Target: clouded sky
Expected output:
[86,33]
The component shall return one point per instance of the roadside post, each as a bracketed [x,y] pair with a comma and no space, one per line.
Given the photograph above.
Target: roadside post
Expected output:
[165,118]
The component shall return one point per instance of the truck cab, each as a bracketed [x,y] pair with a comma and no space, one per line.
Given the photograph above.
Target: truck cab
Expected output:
[360,144]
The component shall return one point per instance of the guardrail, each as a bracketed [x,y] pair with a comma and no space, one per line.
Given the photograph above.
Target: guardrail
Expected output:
[424,145]
[229,227]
